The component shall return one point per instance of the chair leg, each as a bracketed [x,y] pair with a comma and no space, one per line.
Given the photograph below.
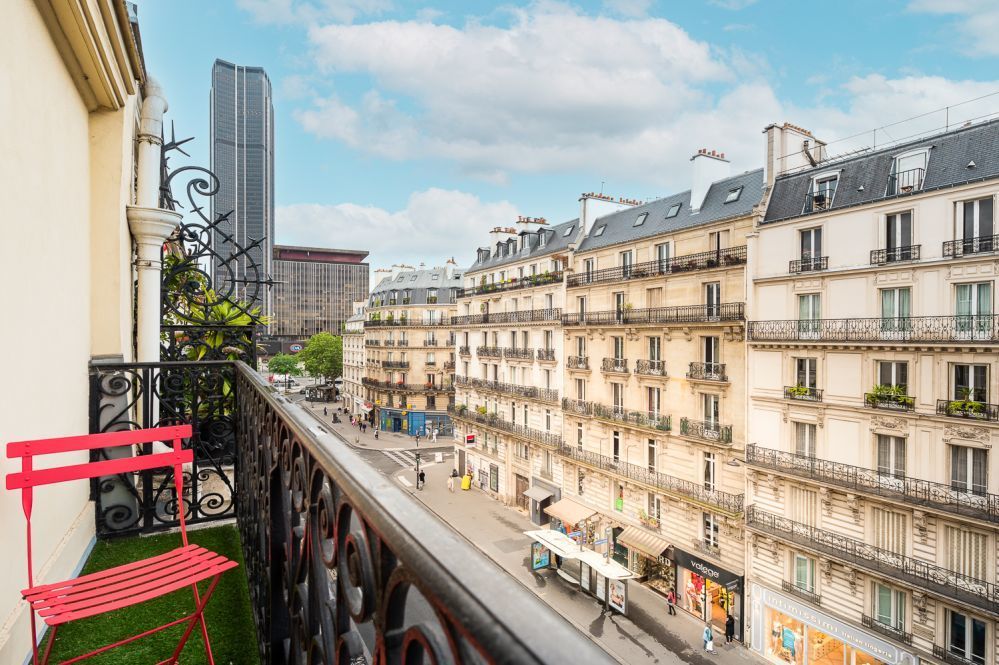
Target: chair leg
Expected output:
[204,627]
[48,647]
[194,619]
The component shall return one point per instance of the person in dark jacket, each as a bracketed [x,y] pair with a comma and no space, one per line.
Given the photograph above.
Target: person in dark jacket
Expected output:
[729,629]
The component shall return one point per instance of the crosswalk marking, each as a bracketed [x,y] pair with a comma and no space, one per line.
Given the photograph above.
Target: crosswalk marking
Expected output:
[407,458]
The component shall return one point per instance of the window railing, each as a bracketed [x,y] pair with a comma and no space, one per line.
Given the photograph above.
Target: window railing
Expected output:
[544,394]
[948,656]
[800,592]
[449,365]
[886,629]
[647,419]
[577,362]
[905,489]
[391,342]
[651,368]
[546,355]
[395,364]
[406,387]
[551,439]
[489,351]
[430,342]
[977,245]
[406,321]
[512,284]
[889,401]
[464,351]
[518,353]
[880,257]
[972,410]
[819,201]
[523,316]
[732,311]
[707,372]
[706,430]
[971,328]
[372,342]
[803,393]
[924,574]
[905,182]
[730,256]
[619,365]
[808,264]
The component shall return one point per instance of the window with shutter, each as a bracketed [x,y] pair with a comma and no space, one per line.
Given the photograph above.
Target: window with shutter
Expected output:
[890,530]
[803,505]
[967,552]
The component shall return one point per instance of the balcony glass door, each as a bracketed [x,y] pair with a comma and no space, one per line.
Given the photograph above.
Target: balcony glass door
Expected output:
[627,260]
[808,315]
[899,240]
[966,637]
[970,383]
[895,312]
[811,248]
[710,405]
[662,256]
[977,226]
[969,470]
[974,310]
[619,307]
[712,299]
[804,440]
[891,460]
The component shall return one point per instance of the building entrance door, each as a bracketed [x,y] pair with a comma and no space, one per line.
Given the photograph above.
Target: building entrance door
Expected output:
[522,486]
[397,424]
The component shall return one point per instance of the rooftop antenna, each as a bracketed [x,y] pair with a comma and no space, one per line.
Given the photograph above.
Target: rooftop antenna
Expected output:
[601,186]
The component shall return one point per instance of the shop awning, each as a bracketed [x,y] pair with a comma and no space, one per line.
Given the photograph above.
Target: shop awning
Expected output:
[606,567]
[538,493]
[643,541]
[569,511]
[556,541]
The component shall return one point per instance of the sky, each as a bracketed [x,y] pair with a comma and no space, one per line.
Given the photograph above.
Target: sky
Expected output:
[410,129]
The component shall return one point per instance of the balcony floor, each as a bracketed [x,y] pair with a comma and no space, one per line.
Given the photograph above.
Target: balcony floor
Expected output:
[229,617]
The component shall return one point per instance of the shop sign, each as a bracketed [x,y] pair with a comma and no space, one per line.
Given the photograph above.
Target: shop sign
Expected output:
[618,595]
[878,648]
[541,556]
[707,570]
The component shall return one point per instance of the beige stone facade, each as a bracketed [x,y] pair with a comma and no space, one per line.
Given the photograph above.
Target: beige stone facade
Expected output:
[354,360]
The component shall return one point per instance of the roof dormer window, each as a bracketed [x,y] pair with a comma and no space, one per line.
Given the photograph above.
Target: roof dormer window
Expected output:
[541,238]
[907,172]
[641,219]
[733,195]
[821,192]
[673,211]
[600,231]
[568,231]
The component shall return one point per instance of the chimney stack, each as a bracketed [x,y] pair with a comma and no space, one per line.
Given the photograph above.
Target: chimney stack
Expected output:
[709,166]
[789,147]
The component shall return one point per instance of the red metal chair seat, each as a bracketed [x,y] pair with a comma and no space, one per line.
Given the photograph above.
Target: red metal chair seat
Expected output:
[125,585]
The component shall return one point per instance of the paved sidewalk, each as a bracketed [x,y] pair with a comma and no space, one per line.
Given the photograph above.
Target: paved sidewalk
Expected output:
[367,440]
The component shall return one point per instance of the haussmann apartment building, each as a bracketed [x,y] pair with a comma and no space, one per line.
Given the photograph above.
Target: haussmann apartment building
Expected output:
[871,478]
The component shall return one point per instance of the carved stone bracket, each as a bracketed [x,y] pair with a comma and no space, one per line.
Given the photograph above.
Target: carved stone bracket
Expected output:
[919,603]
[919,522]
[853,503]
[825,566]
[825,498]
[853,579]
[774,483]
[887,422]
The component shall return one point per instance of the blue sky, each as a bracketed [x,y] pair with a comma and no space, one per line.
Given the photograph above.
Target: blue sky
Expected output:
[411,128]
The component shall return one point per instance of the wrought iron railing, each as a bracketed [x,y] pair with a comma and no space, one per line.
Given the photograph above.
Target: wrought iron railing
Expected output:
[730,256]
[523,316]
[819,201]
[707,372]
[550,439]
[911,491]
[905,182]
[706,430]
[401,322]
[372,342]
[448,365]
[430,342]
[406,387]
[489,351]
[339,571]
[391,342]
[886,629]
[804,393]
[518,354]
[617,414]
[972,328]
[464,350]
[651,368]
[579,407]
[726,501]
[889,401]
[513,284]
[977,245]
[731,311]
[619,365]
[808,264]
[546,355]
[948,656]
[967,409]
[544,394]
[880,257]
[924,574]
[395,364]
[801,592]
[577,362]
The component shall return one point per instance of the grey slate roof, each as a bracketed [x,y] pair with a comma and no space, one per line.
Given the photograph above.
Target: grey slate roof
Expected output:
[556,241]
[947,166]
[418,282]
[620,226]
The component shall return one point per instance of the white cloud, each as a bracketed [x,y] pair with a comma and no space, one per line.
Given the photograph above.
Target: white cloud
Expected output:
[303,11]
[976,20]
[435,225]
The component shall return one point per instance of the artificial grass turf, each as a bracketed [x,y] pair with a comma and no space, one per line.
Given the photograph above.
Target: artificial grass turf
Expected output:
[228,614]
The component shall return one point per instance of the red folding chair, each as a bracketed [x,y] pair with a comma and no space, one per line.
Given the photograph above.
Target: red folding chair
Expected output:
[129,584]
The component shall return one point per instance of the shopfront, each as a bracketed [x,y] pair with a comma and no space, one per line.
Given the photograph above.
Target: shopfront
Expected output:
[786,631]
[393,420]
[708,592]
[648,556]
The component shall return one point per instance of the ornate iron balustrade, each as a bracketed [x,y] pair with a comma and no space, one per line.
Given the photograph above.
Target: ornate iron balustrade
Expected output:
[578,406]
[889,401]
[651,368]
[395,364]
[880,257]
[726,501]
[523,316]
[406,387]
[911,491]
[681,314]
[548,395]
[706,430]
[464,351]
[811,264]
[977,245]
[406,322]
[518,354]
[647,419]
[947,656]
[550,439]
[546,355]
[803,393]
[817,201]
[448,365]
[932,329]
[489,351]
[391,342]
[619,365]
[886,629]
[513,284]
[339,572]
[905,182]
[707,372]
[372,342]
[967,409]
[730,256]
[937,579]
[795,590]
[430,342]
[142,395]
[577,362]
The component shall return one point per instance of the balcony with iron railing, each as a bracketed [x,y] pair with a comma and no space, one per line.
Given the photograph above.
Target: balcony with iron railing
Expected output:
[939,580]
[723,501]
[730,256]
[406,322]
[448,365]
[489,351]
[543,394]
[706,430]
[954,498]
[803,393]
[880,257]
[614,365]
[546,355]
[905,182]
[493,421]
[430,342]
[886,629]
[817,201]
[808,264]
[966,246]
[464,351]
[890,400]
[698,371]
[676,315]
[808,594]
[650,420]
[952,658]
[522,316]
[515,353]
[372,342]
[970,329]
[577,362]
[512,284]
[968,409]
[651,368]
[395,364]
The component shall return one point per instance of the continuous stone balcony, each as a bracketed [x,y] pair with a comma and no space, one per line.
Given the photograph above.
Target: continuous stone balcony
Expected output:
[543,394]
[676,315]
[978,329]
[523,316]
[730,256]
[493,421]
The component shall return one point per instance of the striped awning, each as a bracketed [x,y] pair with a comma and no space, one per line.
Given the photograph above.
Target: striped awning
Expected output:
[643,541]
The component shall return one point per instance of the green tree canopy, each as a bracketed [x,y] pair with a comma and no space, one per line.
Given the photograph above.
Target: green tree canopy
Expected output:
[284,364]
[323,356]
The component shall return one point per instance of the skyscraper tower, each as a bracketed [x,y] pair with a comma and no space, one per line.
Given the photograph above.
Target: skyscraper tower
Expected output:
[242,132]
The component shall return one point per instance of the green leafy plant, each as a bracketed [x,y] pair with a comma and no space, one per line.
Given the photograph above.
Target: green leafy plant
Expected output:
[889,394]
[323,356]
[965,406]
[481,410]
[284,364]
[799,391]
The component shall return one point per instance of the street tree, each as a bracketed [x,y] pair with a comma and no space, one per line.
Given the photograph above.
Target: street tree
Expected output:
[323,356]
[284,364]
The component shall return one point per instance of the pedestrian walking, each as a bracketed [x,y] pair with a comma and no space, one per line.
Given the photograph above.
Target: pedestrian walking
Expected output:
[709,639]
[417,439]
[376,434]
[671,601]
[451,480]
[421,479]
[435,434]
[324,412]
[729,629]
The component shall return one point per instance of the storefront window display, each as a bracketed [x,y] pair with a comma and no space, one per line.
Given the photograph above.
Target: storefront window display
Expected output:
[791,641]
[711,596]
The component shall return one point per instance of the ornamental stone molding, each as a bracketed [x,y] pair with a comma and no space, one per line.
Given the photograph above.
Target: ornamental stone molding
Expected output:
[853,503]
[853,579]
[919,603]
[825,567]
[887,422]
[919,522]
[825,498]
[968,433]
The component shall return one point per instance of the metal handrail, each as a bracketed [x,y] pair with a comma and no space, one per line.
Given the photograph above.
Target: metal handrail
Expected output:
[732,311]
[514,283]
[577,362]
[730,256]
[546,355]
[518,353]
[970,328]
[905,182]
[544,394]
[522,316]
[489,351]
[651,368]
[706,430]
[619,365]
[886,629]
[707,372]
[969,409]
[412,323]
[808,264]
[880,257]
[976,245]
[551,439]
[794,589]
[804,393]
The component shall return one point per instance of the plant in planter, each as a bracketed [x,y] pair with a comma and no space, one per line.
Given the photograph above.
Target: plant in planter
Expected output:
[390,317]
[881,394]
[481,410]
[712,263]
[799,391]
[462,409]
[965,406]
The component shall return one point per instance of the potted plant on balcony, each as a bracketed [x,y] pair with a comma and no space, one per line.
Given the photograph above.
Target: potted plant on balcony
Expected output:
[799,391]
[882,394]
[965,407]
[390,318]
[481,410]
[462,409]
